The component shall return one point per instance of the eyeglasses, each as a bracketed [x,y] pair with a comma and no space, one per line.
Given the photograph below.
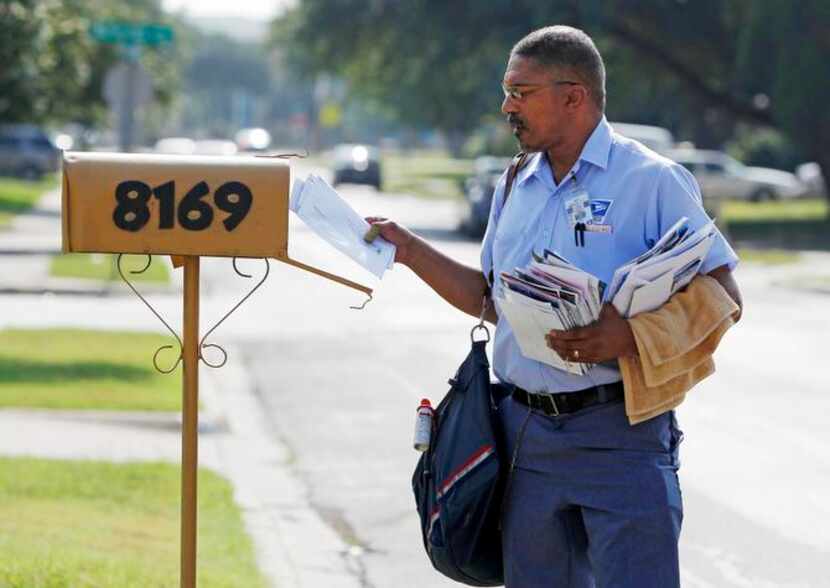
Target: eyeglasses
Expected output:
[519,92]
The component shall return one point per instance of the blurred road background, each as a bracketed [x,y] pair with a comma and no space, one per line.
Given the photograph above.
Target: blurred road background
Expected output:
[339,388]
[400,111]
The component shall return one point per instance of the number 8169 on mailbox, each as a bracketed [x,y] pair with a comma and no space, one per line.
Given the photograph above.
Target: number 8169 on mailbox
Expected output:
[208,206]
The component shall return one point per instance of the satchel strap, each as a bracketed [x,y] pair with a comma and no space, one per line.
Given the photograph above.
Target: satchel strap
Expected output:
[517,164]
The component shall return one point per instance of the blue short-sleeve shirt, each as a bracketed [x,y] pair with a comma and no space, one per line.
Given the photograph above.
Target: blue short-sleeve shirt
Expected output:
[639,193]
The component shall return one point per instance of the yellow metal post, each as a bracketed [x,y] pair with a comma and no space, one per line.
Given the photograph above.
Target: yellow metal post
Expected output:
[190,421]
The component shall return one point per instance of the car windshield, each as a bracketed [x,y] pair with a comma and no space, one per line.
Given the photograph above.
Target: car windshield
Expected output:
[733,166]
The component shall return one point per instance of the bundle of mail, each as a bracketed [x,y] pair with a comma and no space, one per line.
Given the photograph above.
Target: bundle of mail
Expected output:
[552,293]
[327,214]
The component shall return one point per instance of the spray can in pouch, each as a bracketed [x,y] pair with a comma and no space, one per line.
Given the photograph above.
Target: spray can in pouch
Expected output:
[423,425]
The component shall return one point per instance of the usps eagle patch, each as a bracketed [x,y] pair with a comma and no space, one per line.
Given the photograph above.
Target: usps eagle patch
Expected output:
[599,210]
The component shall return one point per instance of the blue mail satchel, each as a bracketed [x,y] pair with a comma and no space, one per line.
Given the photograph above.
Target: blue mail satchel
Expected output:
[458,481]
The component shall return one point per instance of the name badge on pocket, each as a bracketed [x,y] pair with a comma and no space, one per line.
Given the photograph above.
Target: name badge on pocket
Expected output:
[578,208]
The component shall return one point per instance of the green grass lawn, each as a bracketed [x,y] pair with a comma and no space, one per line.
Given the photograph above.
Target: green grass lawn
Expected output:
[777,210]
[101,266]
[75,369]
[428,174]
[768,256]
[78,524]
[17,196]
[784,224]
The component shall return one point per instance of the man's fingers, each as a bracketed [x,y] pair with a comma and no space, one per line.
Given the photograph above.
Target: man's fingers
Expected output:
[575,334]
[585,350]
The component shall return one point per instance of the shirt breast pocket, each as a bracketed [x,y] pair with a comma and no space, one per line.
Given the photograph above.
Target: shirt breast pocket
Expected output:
[599,244]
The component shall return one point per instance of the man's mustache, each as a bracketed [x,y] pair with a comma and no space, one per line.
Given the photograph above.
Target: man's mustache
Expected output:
[514,120]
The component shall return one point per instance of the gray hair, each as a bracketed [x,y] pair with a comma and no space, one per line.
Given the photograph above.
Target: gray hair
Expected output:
[567,47]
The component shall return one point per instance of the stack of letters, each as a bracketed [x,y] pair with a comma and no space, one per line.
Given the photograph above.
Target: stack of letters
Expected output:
[552,293]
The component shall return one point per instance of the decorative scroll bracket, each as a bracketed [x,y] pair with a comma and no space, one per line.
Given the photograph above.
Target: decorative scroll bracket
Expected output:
[153,310]
[202,344]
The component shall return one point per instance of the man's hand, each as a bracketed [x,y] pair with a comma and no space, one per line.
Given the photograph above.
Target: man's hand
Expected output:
[402,238]
[460,285]
[608,338]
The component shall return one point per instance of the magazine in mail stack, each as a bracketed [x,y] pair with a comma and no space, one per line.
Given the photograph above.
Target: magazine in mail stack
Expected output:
[552,293]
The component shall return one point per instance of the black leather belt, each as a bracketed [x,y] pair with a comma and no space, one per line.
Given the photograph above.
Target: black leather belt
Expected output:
[566,402]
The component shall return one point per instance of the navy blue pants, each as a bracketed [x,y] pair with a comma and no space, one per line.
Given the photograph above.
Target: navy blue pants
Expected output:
[593,501]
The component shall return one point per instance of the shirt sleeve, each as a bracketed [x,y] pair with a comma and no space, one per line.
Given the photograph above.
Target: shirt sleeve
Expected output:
[490,234]
[678,195]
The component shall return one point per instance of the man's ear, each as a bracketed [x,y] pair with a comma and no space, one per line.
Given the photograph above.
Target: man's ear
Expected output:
[576,96]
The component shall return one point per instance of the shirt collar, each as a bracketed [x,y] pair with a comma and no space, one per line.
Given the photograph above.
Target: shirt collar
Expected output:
[598,146]
[534,167]
[596,151]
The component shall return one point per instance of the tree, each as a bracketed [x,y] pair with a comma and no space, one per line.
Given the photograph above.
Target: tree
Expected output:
[403,55]
[53,70]
[700,67]
[222,76]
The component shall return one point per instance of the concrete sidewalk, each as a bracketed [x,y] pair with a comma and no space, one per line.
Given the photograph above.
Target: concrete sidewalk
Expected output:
[28,245]
[295,548]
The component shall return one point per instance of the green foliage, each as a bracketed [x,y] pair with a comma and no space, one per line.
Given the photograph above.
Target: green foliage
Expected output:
[18,196]
[768,256]
[224,63]
[87,524]
[698,67]
[806,209]
[764,147]
[53,70]
[434,62]
[425,174]
[784,224]
[220,74]
[72,369]
[103,267]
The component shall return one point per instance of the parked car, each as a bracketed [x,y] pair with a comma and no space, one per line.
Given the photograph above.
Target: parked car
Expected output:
[215,147]
[655,138]
[175,146]
[721,176]
[478,194]
[356,164]
[810,175]
[27,151]
[252,139]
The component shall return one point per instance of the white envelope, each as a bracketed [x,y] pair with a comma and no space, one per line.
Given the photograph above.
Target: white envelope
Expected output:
[327,214]
[665,269]
[530,324]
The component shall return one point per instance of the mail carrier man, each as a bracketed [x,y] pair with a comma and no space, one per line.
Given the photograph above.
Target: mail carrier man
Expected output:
[594,501]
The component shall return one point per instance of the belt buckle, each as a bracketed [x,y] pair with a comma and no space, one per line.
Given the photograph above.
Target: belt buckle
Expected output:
[549,397]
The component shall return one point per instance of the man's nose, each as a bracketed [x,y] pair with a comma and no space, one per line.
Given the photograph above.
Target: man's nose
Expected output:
[508,105]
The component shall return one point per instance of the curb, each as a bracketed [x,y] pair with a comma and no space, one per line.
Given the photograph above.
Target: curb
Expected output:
[294,547]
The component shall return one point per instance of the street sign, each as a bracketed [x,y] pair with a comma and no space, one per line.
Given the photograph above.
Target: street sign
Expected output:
[128,33]
[331,115]
[127,87]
